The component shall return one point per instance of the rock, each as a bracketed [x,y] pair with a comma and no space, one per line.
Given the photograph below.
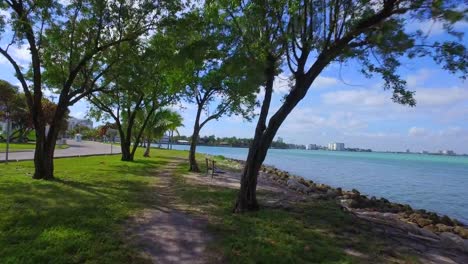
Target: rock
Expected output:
[429,231]
[353,203]
[463,232]
[332,194]
[390,217]
[450,240]
[443,228]
[422,222]
[409,227]
[294,184]
[340,191]
[446,220]
[304,182]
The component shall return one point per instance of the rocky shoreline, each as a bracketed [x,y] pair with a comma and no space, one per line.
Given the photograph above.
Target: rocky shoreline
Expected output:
[419,222]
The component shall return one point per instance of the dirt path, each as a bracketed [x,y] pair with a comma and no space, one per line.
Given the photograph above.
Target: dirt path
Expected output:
[166,234]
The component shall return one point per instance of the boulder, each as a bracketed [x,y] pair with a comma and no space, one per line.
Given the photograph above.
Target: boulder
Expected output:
[463,232]
[422,222]
[294,184]
[446,220]
[450,240]
[332,193]
[443,228]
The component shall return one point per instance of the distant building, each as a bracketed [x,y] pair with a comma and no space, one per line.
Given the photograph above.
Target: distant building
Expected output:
[74,122]
[312,147]
[3,127]
[448,152]
[183,142]
[424,152]
[336,146]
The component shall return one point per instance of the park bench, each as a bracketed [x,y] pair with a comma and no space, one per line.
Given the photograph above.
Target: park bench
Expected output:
[210,165]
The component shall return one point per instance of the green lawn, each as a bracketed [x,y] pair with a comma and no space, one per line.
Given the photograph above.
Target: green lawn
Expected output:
[17,146]
[77,218]
[80,217]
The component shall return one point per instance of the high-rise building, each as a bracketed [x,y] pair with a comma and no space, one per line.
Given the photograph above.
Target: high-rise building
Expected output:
[312,147]
[336,146]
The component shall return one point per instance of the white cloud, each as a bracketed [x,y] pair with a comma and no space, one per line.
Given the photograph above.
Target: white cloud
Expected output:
[282,84]
[20,54]
[419,78]
[324,82]
[360,97]
[308,119]
[417,132]
[434,28]
[441,97]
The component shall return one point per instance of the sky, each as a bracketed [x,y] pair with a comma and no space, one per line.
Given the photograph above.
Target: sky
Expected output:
[343,106]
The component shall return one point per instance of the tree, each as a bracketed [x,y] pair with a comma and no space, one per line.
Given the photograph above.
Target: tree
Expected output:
[65,38]
[135,89]
[13,102]
[314,34]
[7,95]
[219,80]
[164,120]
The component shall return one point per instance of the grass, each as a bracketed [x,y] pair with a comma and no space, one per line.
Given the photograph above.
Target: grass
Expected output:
[79,217]
[17,147]
[316,232]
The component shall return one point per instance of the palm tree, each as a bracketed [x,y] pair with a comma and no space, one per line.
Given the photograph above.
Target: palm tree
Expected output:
[164,120]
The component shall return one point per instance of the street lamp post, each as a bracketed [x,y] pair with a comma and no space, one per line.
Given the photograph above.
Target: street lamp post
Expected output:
[7,136]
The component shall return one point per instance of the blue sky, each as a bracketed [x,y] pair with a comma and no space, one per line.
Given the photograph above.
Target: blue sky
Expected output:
[344,106]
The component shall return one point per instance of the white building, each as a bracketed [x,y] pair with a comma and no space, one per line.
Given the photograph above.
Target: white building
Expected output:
[74,122]
[3,127]
[448,152]
[336,146]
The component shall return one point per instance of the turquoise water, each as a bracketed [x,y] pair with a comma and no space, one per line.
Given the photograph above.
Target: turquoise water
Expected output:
[435,183]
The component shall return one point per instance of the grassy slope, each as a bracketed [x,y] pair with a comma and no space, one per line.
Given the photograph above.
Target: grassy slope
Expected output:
[77,218]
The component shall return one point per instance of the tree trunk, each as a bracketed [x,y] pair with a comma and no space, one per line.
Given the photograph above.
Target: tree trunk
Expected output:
[126,153]
[193,151]
[44,154]
[247,198]
[148,148]
[193,144]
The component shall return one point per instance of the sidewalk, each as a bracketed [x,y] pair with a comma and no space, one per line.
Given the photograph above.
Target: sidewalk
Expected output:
[84,148]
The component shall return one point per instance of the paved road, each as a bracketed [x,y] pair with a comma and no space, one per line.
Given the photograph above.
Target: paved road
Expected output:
[75,149]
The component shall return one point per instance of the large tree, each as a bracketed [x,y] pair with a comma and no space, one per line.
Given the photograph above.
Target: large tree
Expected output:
[64,38]
[220,81]
[313,34]
[134,90]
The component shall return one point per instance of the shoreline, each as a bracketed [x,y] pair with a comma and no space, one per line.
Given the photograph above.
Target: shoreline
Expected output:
[429,223]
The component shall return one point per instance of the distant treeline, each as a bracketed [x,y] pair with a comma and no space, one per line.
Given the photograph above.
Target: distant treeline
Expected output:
[236,142]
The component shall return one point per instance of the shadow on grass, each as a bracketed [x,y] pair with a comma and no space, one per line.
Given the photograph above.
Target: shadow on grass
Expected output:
[314,232]
[79,216]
